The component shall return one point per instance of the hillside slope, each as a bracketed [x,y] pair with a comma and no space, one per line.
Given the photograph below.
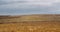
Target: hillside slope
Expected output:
[30,18]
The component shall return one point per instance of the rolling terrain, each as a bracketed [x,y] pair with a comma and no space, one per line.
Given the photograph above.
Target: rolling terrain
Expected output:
[30,23]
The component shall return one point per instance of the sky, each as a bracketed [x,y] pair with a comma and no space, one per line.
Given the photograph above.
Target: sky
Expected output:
[20,7]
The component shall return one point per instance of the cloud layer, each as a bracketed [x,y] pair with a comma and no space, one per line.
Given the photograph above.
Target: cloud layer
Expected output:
[29,6]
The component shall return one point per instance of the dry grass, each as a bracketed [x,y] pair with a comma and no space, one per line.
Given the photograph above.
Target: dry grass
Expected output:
[30,23]
[31,27]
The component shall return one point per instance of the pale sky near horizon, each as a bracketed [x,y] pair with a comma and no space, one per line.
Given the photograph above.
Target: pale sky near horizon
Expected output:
[13,7]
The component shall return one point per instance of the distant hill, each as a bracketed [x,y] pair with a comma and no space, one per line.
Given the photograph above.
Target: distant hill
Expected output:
[34,17]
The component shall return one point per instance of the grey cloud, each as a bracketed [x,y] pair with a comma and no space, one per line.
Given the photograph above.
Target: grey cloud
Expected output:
[11,2]
[16,7]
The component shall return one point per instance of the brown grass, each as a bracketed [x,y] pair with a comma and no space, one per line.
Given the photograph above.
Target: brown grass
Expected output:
[31,27]
[30,23]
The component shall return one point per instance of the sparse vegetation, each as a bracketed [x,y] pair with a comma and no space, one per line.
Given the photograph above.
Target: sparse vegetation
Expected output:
[30,23]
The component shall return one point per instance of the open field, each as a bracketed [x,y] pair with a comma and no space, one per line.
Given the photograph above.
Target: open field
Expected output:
[30,23]
[31,27]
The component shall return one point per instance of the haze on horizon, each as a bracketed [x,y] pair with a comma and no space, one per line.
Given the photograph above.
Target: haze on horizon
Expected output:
[14,7]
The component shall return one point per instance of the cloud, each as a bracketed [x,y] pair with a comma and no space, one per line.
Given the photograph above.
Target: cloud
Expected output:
[4,2]
[36,2]
[29,6]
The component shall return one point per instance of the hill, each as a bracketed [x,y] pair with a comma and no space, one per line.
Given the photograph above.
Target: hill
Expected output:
[21,18]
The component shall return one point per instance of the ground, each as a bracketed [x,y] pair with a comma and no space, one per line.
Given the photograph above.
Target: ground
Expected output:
[35,23]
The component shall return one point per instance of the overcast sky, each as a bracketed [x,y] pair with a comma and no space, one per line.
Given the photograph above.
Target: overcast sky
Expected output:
[13,7]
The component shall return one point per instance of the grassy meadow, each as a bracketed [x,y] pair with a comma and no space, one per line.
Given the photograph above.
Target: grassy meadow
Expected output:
[30,23]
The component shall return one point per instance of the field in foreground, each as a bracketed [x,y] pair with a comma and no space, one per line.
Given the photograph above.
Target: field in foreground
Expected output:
[30,23]
[38,26]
